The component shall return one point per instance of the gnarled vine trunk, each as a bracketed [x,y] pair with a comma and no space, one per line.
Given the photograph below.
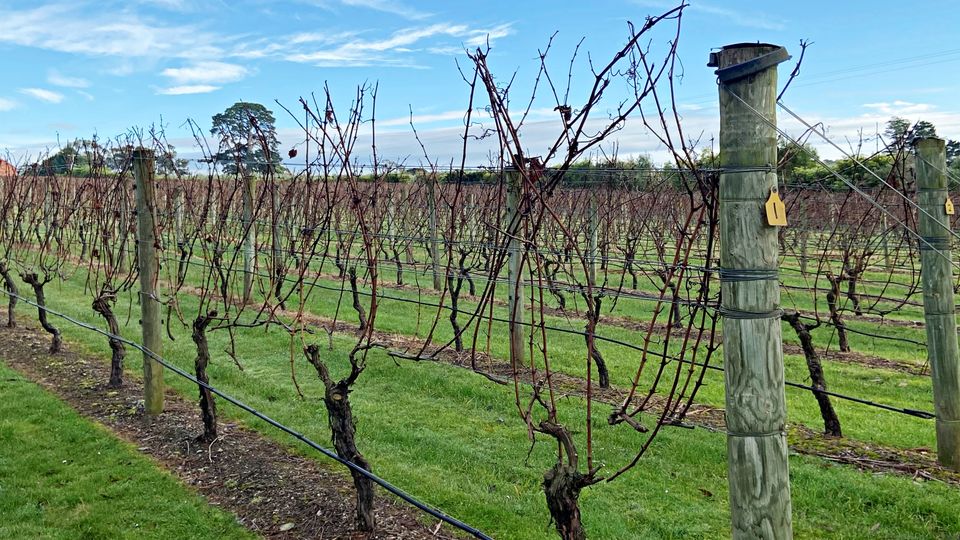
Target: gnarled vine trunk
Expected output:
[208,407]
[563,483]
[56,341]
[343,432]
[833,298]
[361,314]
[101,304]
[12,299]
[831,423]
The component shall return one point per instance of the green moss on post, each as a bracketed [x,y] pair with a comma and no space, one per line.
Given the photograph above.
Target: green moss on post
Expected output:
[938,299]
[752,349]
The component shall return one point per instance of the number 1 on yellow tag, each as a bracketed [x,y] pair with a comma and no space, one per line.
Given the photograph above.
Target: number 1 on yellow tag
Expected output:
[776,210]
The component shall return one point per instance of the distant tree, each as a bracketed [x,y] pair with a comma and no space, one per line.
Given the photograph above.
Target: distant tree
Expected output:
[243,128]
[900,130]
[896,130]
[798,162]
[67,160]
[169,164]
[953,153]
[923,129]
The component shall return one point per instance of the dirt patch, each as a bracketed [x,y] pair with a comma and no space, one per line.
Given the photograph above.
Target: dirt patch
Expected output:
[272,493]
[918,463]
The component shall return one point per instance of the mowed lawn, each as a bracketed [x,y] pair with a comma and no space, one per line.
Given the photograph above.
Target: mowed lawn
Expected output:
[62,476]
[452,439]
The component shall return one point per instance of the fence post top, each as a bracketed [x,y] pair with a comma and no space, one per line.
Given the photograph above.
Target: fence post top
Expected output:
[142,153]
[936,142]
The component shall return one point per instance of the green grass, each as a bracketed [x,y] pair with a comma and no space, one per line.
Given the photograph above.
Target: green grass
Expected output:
[453,439]
[62,476]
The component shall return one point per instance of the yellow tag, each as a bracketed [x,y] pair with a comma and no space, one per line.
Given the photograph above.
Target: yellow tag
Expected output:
[948,206]
[776,210]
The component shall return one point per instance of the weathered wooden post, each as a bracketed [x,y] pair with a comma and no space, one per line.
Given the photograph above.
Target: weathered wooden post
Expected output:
[249,236]
[434,241]
[593,224]
[938,300]
[514,227]
[756,410]
[178,204]
[149,267]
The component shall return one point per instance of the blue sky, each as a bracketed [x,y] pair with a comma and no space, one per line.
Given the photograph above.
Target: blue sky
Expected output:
[76,68]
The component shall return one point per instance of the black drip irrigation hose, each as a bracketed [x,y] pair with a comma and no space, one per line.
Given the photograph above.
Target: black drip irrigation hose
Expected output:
[452,521]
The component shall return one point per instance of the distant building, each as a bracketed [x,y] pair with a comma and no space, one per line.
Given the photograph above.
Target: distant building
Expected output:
[6,169]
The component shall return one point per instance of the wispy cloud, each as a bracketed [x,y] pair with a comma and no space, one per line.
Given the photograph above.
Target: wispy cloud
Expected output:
[423,118]
[389,6]
[206,73]
[746,17]
[43,94]
[395,49]
[899,108]
[188,89]
[70,28]
[57,79]
[7,104]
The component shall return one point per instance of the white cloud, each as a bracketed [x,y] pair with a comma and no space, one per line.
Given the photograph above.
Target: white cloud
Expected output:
[57,79]
[188,89]
[480,37]
[7,104]
[43,94]
[744,18]
[70,28]
[389,6]
[206,73]
[899,108]
[423,119]
[392,49]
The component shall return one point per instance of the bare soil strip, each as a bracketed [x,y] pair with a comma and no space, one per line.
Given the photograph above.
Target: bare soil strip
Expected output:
[272,492]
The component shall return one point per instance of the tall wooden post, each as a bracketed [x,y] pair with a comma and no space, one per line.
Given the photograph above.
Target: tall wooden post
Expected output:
[178,204]
[249,236]
[434,241]
[593,223]
[276,243]
[756,410]
[514,227]
[938,302]
[149,268]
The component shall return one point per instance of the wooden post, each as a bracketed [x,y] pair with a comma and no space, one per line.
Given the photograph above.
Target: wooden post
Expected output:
[756,410]
[886,241]
[515,266]
[938,302]
[276,244]
[178,204]
[434,242]
[149,268]
[249,236]
[804,237]
[593,224]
